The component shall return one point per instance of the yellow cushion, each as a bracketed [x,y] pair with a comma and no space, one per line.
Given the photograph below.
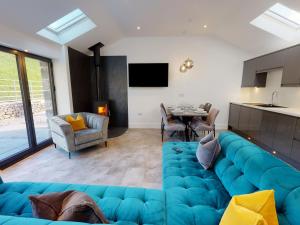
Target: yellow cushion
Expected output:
[252,209]
[78,123]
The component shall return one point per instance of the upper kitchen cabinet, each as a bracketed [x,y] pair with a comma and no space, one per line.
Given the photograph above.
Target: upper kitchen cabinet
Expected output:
[250,76]
[291,70]
[270,61]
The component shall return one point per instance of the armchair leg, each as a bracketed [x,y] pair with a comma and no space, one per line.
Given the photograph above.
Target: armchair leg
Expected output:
[106,144]
[54,145]
[69,155]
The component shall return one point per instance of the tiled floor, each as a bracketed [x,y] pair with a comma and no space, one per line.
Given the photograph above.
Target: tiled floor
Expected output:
[133,159]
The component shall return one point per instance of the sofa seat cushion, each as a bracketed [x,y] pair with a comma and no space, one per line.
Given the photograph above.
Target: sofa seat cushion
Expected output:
[88,135]
[120,205]
[193,195]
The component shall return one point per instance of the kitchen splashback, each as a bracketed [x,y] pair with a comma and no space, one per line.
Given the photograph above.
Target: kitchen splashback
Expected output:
[287,96]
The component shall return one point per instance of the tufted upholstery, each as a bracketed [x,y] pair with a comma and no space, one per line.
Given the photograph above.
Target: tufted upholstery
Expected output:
[198,197]
[243,168]
[194,196]
[121,205]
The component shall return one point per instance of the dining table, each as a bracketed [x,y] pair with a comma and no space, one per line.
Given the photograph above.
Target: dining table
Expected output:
[186,114]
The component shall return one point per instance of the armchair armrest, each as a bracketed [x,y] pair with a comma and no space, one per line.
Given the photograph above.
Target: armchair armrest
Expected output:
[62,133]
[98,122]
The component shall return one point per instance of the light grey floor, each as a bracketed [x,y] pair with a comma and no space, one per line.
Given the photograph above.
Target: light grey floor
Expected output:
[133,159]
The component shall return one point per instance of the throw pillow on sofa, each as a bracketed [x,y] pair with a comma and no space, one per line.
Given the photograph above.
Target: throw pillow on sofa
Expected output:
[252,209]
[207,138]
[67,206]
[208,153]
[78,123]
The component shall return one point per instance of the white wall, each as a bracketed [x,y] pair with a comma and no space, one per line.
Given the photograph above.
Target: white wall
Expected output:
[287,96]
[215,77]
[58,53]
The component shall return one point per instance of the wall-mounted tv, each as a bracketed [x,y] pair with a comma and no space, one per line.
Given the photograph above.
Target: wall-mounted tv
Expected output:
[148,74]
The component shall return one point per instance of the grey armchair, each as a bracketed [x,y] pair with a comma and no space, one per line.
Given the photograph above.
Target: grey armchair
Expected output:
[71,141]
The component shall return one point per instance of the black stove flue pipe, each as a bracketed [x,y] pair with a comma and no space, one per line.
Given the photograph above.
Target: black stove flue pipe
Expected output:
[99,83]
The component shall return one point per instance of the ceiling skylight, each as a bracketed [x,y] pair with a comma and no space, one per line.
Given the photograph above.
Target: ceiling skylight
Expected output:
[68,27]
[280,21]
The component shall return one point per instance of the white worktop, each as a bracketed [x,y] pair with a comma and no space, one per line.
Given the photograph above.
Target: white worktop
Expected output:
[287,111]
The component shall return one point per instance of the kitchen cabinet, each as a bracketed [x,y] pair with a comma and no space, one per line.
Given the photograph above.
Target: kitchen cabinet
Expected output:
[255,70]
[267,130]
[255,123]
[284,133]
[251,78]
[291,70]
[244,120]
[271,61]
[234,113]
[271,130]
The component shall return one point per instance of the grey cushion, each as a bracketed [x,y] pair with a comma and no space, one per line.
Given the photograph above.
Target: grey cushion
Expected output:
[207,138]
[85,136]
[208,153]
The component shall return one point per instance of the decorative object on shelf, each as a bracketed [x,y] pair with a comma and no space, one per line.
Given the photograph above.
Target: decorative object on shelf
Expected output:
[188,64]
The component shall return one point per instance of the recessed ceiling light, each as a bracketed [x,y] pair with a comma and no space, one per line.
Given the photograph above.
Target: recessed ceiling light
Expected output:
[138,27]
[204,26]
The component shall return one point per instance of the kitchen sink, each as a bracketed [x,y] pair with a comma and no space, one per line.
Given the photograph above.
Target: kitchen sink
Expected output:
[266,105]
[271,106]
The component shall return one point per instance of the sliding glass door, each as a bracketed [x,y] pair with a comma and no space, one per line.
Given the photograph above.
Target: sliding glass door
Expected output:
[26,103]
[38,76]
[13,129]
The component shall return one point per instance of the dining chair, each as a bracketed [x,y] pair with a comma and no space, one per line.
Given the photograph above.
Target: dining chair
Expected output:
[169,124]
[207,106]
[208,125]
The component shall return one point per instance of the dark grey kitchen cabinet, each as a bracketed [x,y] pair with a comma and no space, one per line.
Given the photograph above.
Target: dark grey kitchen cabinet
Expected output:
[268,127]
[234,113]
[297,130]
[244,120]
[284,133]
[291,70]
[249,72]
[295,153]
[271,61]
[251,78]
[255,123]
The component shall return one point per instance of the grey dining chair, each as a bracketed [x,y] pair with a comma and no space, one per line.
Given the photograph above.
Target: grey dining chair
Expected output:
[207,106]
[169,124]
[208,125]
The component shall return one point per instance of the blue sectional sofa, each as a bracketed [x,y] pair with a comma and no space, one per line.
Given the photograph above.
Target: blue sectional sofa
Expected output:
[121,205]
[195,196]
[190,195]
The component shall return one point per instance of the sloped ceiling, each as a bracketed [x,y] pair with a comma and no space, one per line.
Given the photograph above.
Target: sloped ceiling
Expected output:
[115,19]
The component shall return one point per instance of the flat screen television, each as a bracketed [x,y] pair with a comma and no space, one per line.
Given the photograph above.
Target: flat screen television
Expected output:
[148,74]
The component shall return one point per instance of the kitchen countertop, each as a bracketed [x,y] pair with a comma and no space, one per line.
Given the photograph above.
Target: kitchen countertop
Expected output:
[287,111]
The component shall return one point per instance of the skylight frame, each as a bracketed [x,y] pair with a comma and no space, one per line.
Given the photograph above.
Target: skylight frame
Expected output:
[284,14]
[67,21]
[67,28]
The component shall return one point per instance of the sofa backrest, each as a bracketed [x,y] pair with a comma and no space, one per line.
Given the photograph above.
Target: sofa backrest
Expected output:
[243,168]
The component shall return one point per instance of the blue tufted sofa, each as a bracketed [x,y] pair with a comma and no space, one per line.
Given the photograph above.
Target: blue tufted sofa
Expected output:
[191,195]
[121,205]
[195,196]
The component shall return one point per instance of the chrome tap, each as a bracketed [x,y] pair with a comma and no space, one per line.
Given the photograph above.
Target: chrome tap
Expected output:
[274,93]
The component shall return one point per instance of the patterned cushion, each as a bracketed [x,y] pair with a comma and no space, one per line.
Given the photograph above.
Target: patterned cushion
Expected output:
[120,205]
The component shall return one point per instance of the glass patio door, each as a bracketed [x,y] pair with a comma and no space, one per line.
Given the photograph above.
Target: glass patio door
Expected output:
[26,103]
[39,84]
[13,129]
